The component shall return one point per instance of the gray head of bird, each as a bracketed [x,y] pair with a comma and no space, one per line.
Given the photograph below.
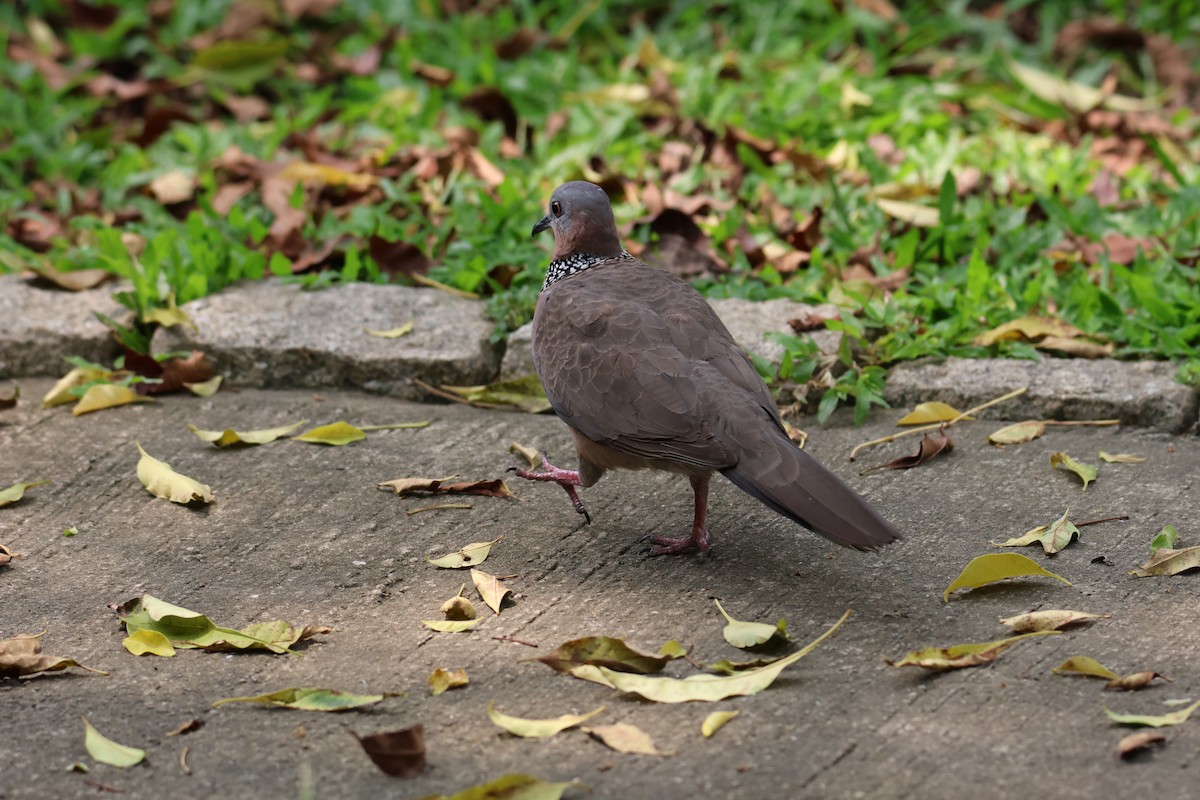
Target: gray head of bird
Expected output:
[582,220]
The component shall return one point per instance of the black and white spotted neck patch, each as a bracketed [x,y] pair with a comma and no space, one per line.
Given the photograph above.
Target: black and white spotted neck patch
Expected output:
[577,262]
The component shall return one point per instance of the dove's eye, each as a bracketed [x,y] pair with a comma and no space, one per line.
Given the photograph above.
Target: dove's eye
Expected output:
[556,208]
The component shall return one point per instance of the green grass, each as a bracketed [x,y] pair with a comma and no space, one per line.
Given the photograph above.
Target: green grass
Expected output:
[810,78]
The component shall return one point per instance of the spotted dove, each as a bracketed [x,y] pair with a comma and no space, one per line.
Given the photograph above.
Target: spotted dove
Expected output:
[646,376]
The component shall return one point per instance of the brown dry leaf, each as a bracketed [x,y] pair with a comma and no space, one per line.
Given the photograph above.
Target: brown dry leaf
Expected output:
[400,754]
[173,187]
[1136,742]
[7,555]
[1049,620]
[490,589]
[430,73]
[932,445]
[1167,561]
[626,738]
[22,656]
[75,281]
[1134,681]
[496,487]
[518,43]
[604,651]
[1030,328]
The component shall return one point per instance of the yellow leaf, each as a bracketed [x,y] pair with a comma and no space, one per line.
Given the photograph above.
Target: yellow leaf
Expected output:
[1052,537]
[537,728]
[336,434]
[107,395]
[1018,433]
[852,97]
[451,625]
[15,492]
[440,680]
[1174,718]
[528,453]
[162,481]
[467,556]
[912,213]
[173,187]
[715,721]
[230,437]
[710,688]
[1072,95]
[514,786]
[145,640]
[927,413]
[1166,561]
[525,393]
[1086,472]
[1120,458]
[982,570]
[1049,620]
[1028,328]
[961,656]
[1084,665]
[1079,348]
[205,388]
[60,393]
[750,634]
[106,751]
[311,174]
[391,333]
[490,589]
[626,738]
[169,316]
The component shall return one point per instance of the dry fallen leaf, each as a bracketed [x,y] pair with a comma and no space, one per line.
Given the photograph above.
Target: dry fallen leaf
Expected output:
[604,651]
[441,680]
[960,656]
[490,589]
[310,699]
[390,333]
[927,413]
[1138,741]
[17,491]
[707,688]
[626,738]
[335,434]
[537,728]
[107,395]
[1135,680]
[1049,620]
[715,721]
[467,556]
[451,625]
[1086,472]
[1120,458]
[751,634]
[495,487]
[1085,666]
[106,751]
[982,570]
[1153,721]
[932,445]
[1018,433]
[22,656]
[228,437]
[1053,537]
[528,453]
[400,754]
[162,481]
[1169,562]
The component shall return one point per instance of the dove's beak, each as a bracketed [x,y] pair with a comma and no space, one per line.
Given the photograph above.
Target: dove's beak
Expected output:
[541,225]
